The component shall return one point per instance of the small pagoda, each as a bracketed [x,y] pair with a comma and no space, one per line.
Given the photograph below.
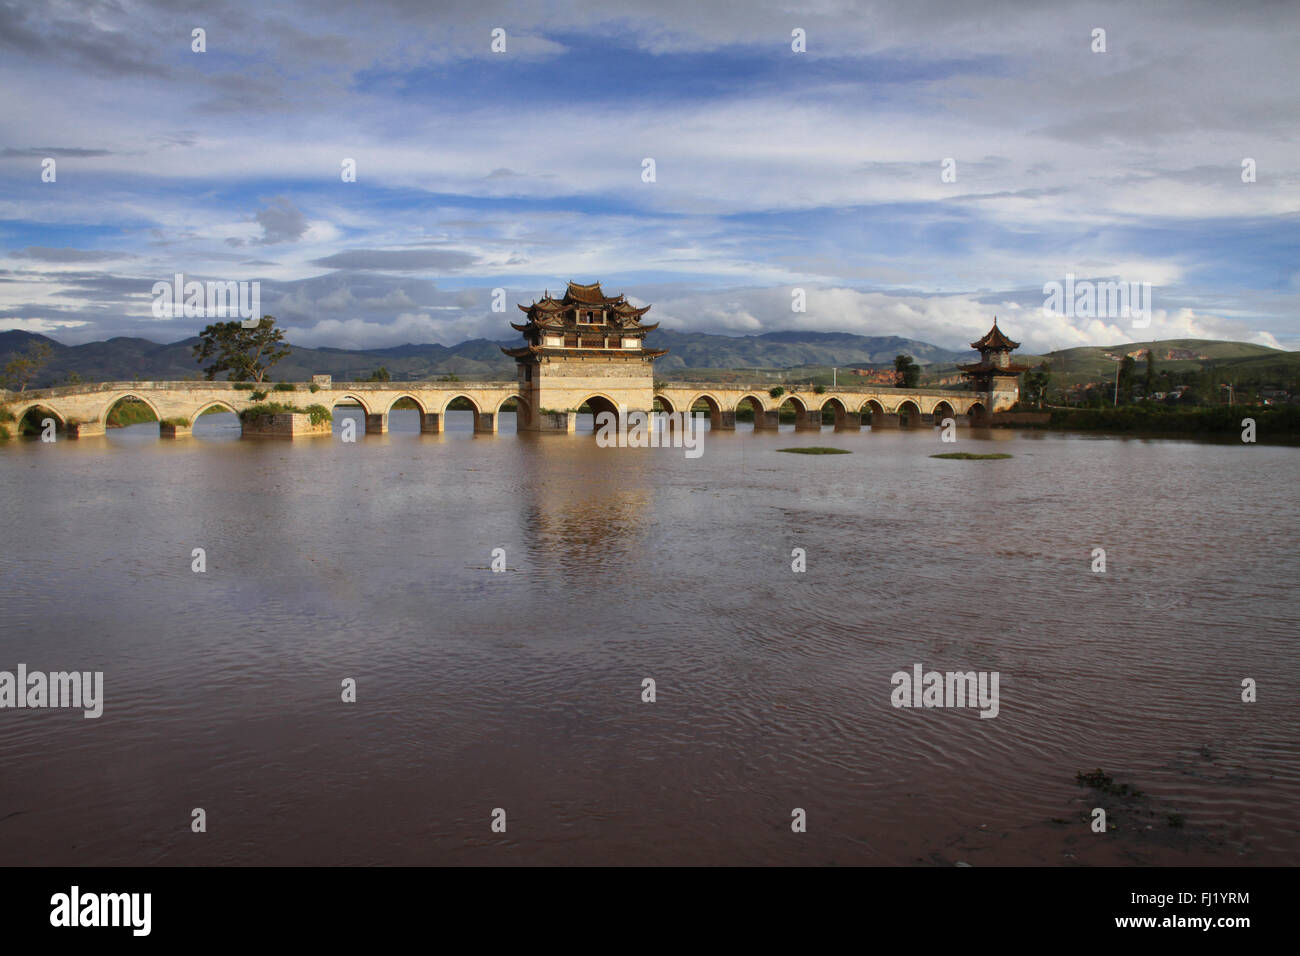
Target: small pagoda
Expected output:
[584,321]
[994,371]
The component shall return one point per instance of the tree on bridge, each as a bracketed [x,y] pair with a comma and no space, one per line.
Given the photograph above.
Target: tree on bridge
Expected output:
[247,354]
[21,369]
[909,373]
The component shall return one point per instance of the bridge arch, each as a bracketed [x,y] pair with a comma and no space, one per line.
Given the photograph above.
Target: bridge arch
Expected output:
[806,417]
[599,402]
[351,397]
[397,398]
[665,403]
[756,403]
[478,409]
[138,396]
[837,406]
[50,411]
[874,412]
[714,406]
[523,411]
[943,409]
[979,415]
[194,419]
[909,414]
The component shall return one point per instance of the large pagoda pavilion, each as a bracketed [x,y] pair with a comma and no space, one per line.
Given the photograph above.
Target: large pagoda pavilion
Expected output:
[994,372]
[584,348]
[584,319]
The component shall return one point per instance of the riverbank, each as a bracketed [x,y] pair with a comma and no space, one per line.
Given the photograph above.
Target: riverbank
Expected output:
[1272,423]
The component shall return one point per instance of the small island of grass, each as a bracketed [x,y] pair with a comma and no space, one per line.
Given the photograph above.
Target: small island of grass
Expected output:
[971,456]
[816,450]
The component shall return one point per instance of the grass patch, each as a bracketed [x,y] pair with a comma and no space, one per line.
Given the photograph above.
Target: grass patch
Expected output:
[177,422]
[816,450]
[970,456]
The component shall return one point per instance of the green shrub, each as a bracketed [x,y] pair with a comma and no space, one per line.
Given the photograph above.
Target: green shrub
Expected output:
[4,433]
[819,389]
[265,410]
[776,392]
[243,386]
[319,413]
[258,396]
[314,387]
[1276,422]
[6,415]
[284,387]
[177,421]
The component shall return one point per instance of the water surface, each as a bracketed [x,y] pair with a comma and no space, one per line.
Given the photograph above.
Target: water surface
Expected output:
[522,689]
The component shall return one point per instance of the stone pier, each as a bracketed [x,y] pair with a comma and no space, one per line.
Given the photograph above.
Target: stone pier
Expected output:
[85,429]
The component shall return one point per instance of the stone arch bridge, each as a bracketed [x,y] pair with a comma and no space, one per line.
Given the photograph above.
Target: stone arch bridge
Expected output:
[83,409]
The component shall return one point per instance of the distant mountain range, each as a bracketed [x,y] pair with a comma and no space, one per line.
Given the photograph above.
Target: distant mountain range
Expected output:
[128,359]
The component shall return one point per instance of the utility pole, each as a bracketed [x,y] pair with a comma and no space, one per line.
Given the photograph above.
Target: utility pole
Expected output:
[834,376]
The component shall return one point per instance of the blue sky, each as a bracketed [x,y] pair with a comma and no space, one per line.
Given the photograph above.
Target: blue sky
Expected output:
[775,169]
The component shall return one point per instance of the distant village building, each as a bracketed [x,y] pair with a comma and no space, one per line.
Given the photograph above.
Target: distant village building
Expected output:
[877,376]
